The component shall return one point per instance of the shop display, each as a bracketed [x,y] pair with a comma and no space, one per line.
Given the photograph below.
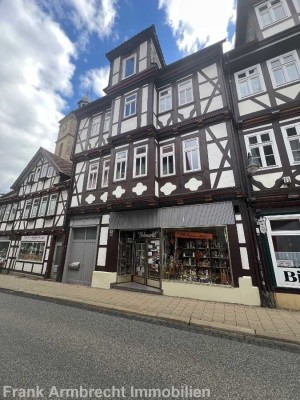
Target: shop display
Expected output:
[197,257]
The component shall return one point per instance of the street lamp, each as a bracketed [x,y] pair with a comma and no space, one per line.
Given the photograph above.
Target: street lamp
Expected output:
[252,165]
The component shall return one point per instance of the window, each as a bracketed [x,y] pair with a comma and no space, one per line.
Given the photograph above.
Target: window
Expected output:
[284,69]
[93,176]
[297,5]
[31,251]
[35,207]
[13,212]
[249,81]
[270,12]
[50,172]
[89,233]
[44,171]
[292,141]
[165,100]
[120,165]
[263,149]
[4,246]
[185,92]
[191,156]
[130,105]
[27,209]
[31,177]
[2,209]
[106,121]
[129,66]
[140,161]
[43,206]
[52,204]
[37,174]
[105,173]
[7,212]
[167,160]
[96,126]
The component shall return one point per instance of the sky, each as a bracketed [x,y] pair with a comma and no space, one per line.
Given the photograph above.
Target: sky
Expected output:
[53,53]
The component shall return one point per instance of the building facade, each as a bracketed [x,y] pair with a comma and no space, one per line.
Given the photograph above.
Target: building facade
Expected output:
[66,136]
[158,193]
[33,217]
[264,80]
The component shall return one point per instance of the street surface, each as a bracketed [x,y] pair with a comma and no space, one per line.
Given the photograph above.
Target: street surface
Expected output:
[46,345]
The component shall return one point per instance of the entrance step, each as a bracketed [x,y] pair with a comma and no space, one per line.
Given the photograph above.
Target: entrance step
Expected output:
[136,287]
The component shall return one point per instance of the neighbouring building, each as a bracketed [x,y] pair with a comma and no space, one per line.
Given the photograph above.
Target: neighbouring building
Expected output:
[158,194]
[264,79]
[65,137]
[33,217]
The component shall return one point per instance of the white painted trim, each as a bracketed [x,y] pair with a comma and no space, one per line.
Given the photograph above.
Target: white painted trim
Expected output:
[248,78]
[289,120]
[189,134]
[124,66]
[274,21]
[198,155]
[161,158]
[134,161]
[141,141]
[297,64]
[287,140]
[115,171]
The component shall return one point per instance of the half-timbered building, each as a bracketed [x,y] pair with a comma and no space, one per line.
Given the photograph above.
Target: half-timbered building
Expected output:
[264,80]
[33,217]
[157,197]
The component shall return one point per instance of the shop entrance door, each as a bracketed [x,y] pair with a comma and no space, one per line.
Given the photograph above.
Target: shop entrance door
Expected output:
[146,263]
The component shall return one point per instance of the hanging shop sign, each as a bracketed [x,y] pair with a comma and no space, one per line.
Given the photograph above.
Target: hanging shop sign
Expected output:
[148,234]
[194,235]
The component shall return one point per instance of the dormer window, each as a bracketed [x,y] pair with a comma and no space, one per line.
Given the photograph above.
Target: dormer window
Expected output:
[129,66]
[271,11]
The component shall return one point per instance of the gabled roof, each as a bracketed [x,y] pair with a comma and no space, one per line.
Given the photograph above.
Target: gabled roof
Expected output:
[62,166]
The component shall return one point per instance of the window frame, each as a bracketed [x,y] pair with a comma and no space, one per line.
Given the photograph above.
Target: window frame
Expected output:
[272,14]
[169,89]
[105,169]
[140,156]
[124,76]
[50,204]
[92,178]
[288,139]
[7,212]
[37,174]
[130,102]
[184,151]
[106,121]
[162,156]
[94,124]
[261,144]
[119,162]
[27,209]
[248,79]
[185,82]
[40,214]
[283,67]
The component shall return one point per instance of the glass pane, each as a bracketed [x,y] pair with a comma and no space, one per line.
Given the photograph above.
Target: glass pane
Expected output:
[265,137]
[256,155]
[143,166]
[279,12]
[195,159]
[275,63]
[129,67]
[292,72]
[266,18]
[153,259]
[79,233]
[256,86]
[91,233]
[287,250]
[291,131]
[252,139]
[295,146]
[279,77]
[188,161]
[190,143]
[244,89]
[286,225]
[171,164]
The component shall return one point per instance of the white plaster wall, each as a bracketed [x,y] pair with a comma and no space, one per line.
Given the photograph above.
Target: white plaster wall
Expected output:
[241,233]
[143,50]
[79,184]
[248,106]
[286,24]
[291,91]
[219,131]
[101,259]
[185,111]
[103,279]
[205,90]
[103,235]
[143,65]
[216,104]
[105,219]
[145,99]
[116,110]
[214,156]
[164,118]
[144,119]
[129,124]
[268,180]
[116,65]
[244,258]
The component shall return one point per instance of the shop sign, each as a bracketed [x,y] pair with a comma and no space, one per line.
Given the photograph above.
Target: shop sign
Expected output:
[148,234]
[288,277]
[194,235]
[39,238]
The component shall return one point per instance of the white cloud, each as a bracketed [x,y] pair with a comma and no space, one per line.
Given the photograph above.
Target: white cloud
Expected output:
[35,75]
[95,80]
[97,16]
[198,23]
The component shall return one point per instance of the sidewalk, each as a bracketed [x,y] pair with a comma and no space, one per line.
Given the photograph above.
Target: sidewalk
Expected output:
[253,322]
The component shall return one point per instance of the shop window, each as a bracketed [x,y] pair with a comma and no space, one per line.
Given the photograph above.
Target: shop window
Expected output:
[31,251]
[120,165]
[185,92]
[107,121]
[291,136]
[130,105]
[271,12]
[129,66]
[92,176]
[105,173]
[249,82]
[125,253]
[4,246]
[27,209]
[96,126]
[140,161]
[263,149]
[35,207]
[191,156]
[284,69]
[52,204]
[165,100]
[199,256]
[167,160]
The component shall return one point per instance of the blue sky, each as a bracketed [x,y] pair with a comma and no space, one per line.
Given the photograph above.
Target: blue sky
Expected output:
[55,53]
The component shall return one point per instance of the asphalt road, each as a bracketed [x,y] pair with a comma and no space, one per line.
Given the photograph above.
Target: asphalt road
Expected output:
[50,345]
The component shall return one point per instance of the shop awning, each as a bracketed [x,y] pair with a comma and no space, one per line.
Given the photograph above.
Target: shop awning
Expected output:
[174,217]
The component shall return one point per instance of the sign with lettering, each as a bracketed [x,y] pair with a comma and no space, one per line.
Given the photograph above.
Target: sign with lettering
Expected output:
[288,277]
[39,238]
[148,234]
[194,235]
